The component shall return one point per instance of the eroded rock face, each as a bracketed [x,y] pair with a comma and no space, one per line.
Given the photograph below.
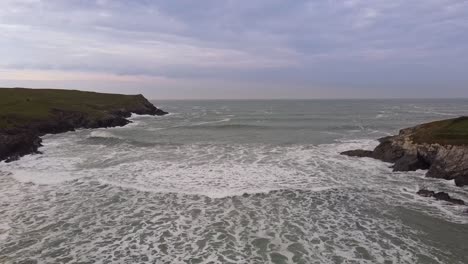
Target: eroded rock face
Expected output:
[442,161]
[449,163]
[389,150]
[410,162]
[20,141]
[13,146]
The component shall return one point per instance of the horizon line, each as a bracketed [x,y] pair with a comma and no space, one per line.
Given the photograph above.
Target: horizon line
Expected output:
[307,99]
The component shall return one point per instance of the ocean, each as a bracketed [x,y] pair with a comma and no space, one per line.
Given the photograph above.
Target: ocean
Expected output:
[233,182]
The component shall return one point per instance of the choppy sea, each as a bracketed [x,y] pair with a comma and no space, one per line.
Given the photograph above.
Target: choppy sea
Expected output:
[232,182]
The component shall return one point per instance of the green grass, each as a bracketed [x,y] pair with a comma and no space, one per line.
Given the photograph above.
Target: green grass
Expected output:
[19,106]
[445,132]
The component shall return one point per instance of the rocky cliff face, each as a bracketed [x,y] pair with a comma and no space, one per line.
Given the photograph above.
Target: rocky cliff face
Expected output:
[442,161]
[25,139]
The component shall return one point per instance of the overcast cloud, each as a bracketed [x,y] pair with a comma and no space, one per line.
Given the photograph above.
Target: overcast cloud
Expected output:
[238,49]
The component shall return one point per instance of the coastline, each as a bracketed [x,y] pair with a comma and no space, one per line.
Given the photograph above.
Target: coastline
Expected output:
[20,134]
[439,147]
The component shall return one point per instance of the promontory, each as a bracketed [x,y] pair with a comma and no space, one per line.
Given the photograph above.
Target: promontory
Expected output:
[440,147]
[27,114]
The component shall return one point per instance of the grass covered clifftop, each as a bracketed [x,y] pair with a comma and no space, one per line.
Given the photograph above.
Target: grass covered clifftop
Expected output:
[19,107]
[27,114]
[445,132]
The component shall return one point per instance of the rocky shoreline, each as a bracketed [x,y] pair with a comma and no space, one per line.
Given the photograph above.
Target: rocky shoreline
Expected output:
[441,158]
[24,139]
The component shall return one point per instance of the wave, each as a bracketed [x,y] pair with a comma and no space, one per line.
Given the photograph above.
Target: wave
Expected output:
[238,126]
[212,170]
[212,122]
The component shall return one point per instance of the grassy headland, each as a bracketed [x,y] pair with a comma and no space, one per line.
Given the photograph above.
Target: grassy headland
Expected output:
[26,114]
[445,132]
[19,106]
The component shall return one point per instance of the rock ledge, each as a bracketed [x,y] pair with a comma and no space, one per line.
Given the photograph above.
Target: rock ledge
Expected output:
[440,147]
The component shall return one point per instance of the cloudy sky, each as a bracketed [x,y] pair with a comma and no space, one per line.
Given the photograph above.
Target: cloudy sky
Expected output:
[238,49]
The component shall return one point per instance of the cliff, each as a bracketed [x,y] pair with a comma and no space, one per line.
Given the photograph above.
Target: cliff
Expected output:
[27,114]
[441,147]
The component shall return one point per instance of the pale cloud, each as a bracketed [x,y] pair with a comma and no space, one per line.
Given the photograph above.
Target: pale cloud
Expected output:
[259,43]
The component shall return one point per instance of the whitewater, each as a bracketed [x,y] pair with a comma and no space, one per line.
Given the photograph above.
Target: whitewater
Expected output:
[232,182]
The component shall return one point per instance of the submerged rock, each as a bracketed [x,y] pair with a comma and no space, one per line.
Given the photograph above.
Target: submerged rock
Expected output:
[425,193]
[358,153]
[440,196]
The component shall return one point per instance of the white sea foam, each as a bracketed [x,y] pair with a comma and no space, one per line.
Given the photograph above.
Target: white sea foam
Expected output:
[137,116]
[30,176]
[219,201]
[211,170]
[102,134]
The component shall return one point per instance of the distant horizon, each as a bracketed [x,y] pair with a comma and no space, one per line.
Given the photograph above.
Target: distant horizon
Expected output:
[238,49]
[250,99]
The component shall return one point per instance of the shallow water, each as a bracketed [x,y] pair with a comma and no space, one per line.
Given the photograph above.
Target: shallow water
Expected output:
[232,182]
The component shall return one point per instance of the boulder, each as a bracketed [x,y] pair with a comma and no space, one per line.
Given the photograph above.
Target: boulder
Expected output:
[425,193]
[443,196]
[358,153]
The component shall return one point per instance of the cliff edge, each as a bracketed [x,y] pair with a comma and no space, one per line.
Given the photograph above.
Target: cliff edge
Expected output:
[440,146]
[27,114]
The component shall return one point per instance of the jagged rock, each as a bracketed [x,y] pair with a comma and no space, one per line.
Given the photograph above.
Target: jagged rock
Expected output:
[410,163]
[388,150]
[13,146]
[426,193]
[441,147]
[445,197]
[358,153]
[440,196]
[450,162]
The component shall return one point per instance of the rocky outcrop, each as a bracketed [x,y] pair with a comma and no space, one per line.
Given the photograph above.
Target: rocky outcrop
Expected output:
[25,139]
[13,146]
[440,196]
[444,161]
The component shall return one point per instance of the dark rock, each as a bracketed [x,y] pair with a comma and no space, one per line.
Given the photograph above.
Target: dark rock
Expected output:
[410,163]
[13,146]
[443,196]
[461,180]
[387,150]
[425,193]
[358,153]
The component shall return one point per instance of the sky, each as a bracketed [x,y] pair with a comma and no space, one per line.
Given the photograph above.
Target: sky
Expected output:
[234,49]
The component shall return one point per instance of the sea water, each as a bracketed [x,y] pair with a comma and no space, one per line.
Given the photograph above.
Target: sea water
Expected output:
[232,182]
